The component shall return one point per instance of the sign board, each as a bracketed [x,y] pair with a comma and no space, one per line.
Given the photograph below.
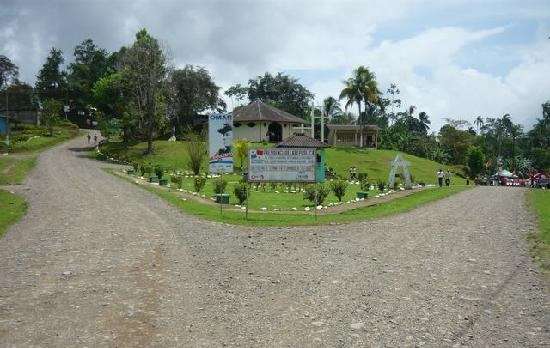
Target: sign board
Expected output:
[220,139]
[281,165]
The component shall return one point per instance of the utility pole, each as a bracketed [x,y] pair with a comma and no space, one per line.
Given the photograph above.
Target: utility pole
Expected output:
[313,120]
[322,124]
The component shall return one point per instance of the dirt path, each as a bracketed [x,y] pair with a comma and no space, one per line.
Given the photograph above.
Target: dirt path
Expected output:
[99,262]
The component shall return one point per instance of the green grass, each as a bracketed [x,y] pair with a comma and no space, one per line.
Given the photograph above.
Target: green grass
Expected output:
[29,142]
[269,197]
[395,206]
[172,155]
[12,208]
[540,202]
[13,169]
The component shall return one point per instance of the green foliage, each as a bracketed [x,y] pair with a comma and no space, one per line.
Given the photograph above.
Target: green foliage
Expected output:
[51,82]
[110,127]
[159,171]
[381,185]
[177,180]
[281,91]
[196,152]
[316,193]
[362,176]
[147,169]
[219,185]
[192,91]
[241,190]
[339,187]
[8,71]
[198,183]
[475,160]
[12,208]
[136,166]
[240,148]
[51,110]
[364,184]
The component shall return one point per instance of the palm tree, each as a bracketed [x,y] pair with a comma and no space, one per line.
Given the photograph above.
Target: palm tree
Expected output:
[479,123]
[331,106]
[360,88]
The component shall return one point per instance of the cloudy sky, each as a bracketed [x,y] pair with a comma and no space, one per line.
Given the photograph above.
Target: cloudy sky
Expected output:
[450,58]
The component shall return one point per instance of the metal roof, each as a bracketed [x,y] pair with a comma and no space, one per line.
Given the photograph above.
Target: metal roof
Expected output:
[301,140]
[260,111]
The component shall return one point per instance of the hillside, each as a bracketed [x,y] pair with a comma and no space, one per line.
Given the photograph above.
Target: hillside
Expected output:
[376,163]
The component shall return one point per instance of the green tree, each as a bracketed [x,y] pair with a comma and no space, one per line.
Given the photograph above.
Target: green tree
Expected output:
[475,161]
[144,73]
[241,151]
[8,71]
[51,82]
[281,91]
[192,91]
[331,107]
[51,109]
[90,64]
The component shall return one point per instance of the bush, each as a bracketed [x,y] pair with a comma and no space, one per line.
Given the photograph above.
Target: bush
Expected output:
[219,185]
[339,187]
[159,171]
[145,169]
[362,176]
[198,183]
[316,194]
[240,191]
[381,185]
[136,167]
[196,152]
[100,156]
[176,180]
[365,185]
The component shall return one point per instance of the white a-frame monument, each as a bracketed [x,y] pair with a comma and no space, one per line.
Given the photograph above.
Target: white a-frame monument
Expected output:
[399,165]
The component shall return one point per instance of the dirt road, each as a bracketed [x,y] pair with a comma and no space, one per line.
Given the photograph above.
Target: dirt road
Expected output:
[100,262]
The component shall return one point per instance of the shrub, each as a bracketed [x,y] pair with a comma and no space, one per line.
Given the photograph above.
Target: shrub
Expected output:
[381,185]
[159,171]
[145,169]
[219,185]
[176,180]
[196,152]
[241,151]
[198,183]
[136,167]
[240,191]
[100,156]
[316,194]
[362,176]
[365,185]
[339,187]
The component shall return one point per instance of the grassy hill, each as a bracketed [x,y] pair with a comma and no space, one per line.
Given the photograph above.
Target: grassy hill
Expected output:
[172,155]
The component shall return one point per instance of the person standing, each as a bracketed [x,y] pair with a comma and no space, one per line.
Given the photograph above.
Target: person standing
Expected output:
[89,138]
[440,176]
[95,138]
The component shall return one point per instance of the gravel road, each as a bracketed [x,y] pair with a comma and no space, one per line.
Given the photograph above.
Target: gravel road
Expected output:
[100,262]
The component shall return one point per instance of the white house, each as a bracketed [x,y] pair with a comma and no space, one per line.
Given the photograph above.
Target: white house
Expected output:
[259,121]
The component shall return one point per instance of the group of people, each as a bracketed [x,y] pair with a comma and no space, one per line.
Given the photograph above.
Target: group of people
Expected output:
[443,176]
[90,138]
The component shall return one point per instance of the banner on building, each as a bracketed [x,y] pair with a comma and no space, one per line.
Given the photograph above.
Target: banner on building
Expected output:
[282,165]
[220,139]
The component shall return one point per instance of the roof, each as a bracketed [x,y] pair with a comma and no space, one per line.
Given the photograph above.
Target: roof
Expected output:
[260,111]
[301,140]
[352,127]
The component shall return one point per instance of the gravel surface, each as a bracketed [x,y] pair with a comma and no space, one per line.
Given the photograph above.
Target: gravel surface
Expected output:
[100,262]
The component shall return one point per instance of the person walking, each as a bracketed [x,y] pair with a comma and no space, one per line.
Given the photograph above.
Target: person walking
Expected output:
[440,176]
[447,178]
[89,138]
[95,138]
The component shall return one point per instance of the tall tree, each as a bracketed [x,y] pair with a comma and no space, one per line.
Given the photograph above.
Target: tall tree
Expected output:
[51,82]
[90,64]
[192,91]
[360,88]
[281,91]
[331,107]
[144,71]
[8,71]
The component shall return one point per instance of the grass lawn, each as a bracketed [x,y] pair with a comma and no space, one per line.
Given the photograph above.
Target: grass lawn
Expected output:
[12,208]
[540,201]
[29,142]
[271,197]
[172,156]
[294,219]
